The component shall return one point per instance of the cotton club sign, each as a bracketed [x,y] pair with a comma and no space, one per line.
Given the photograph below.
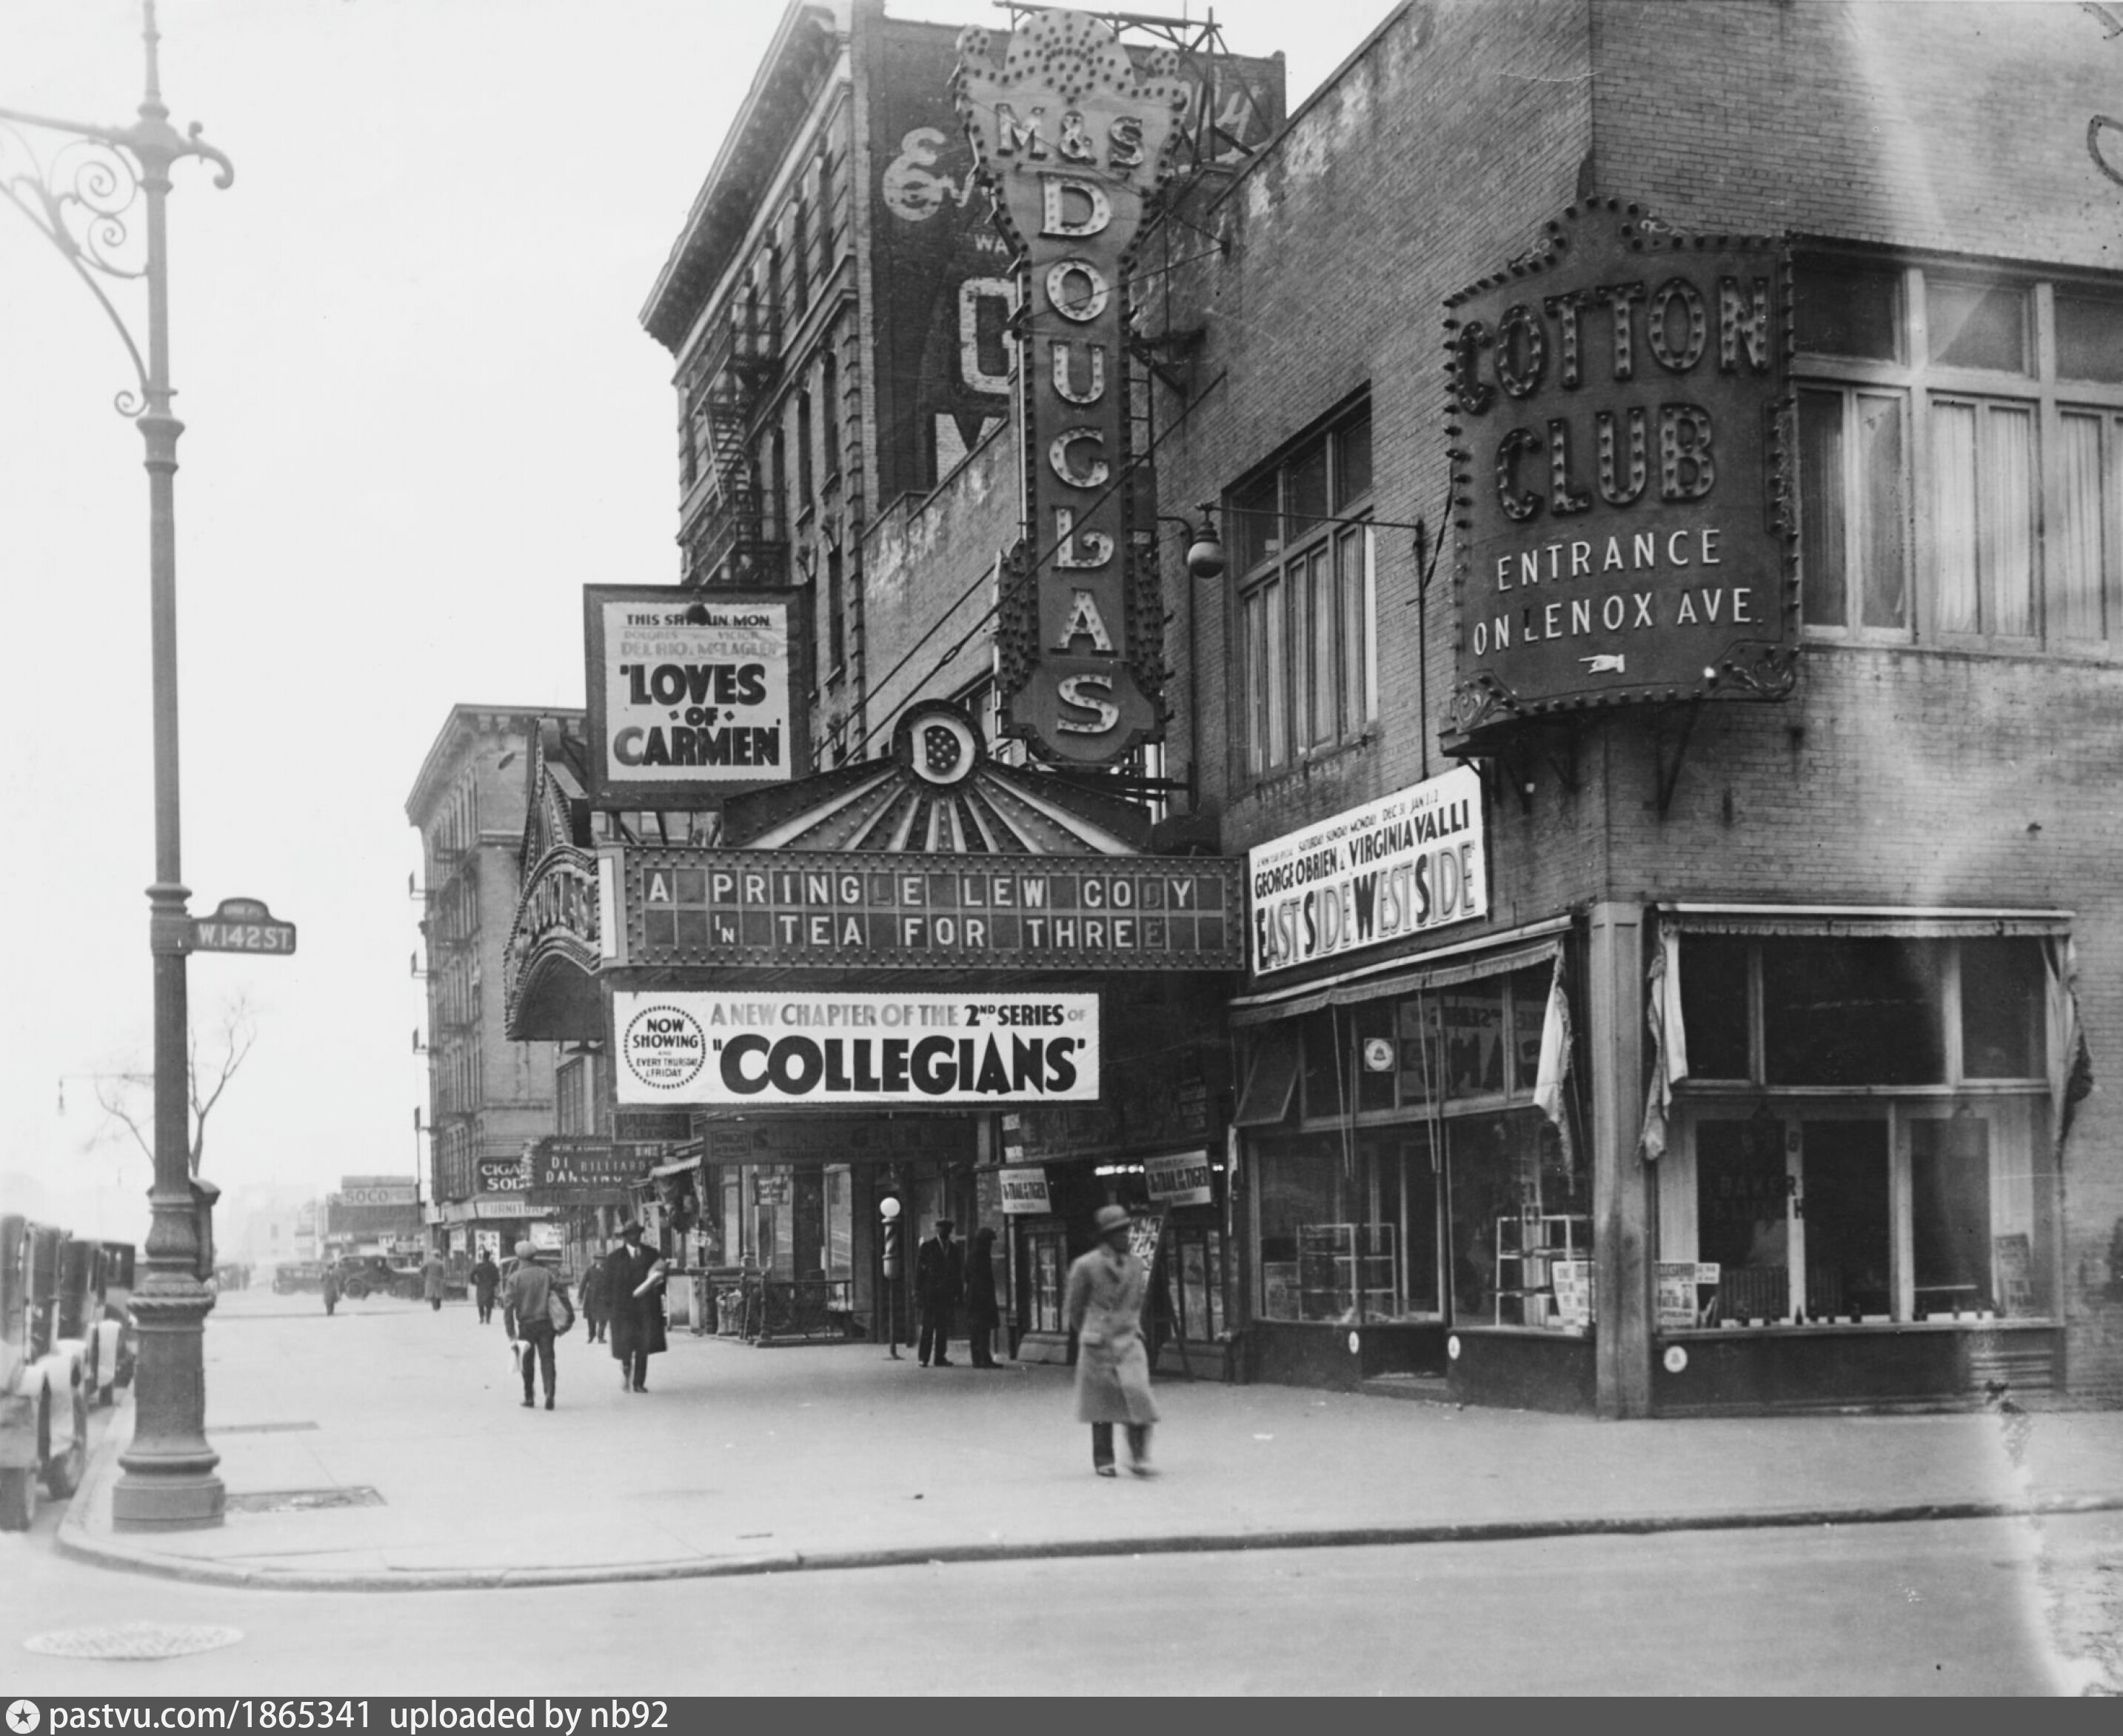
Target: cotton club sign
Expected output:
[1622,475]
[1071,139]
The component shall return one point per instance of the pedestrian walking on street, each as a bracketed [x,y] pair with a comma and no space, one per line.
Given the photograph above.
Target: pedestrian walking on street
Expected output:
[939,1279]
[432,1274]
[1107,1288]
[596,1307]
[525,1315]
[486,1280]
[330,1286]
[634,1292]
[982,1315]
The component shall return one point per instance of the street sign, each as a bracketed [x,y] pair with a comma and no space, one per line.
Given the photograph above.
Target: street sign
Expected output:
[243,925]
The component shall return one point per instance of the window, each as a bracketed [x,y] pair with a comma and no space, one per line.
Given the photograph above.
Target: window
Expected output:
[1864,1135]
[806,479]
[831,400]
[1959,460]
[571,1095]
[1306,599]
[837,630]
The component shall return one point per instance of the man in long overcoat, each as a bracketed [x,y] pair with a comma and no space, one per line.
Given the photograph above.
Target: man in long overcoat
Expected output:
[637,1320]
[433,1275]
[486,1280]
[983,1314]
[940,1276]
[1107,1288]
[595,1311]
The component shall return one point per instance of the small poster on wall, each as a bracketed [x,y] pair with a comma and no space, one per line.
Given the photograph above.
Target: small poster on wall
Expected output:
[1572,1279]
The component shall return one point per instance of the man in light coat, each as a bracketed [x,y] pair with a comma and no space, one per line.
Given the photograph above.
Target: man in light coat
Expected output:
[525,1313]
[1107,1289]
[433,1275]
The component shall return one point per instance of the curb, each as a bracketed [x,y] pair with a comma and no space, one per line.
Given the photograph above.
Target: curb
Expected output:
[75,1541]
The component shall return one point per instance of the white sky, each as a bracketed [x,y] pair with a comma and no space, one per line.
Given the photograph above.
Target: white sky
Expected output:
[420,414]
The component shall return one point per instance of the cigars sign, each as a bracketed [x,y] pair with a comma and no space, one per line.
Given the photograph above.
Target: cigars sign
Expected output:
[1622,456]
[1071,139]
[830,1050]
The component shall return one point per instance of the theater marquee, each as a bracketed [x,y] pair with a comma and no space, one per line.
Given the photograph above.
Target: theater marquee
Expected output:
[832,1050]
[795,908]
[1622,451]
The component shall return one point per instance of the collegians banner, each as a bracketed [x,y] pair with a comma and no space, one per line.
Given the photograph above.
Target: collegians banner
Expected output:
[1394,868]
[913,1051]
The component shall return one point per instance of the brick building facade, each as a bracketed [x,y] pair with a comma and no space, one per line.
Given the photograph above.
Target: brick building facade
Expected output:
[1926,820]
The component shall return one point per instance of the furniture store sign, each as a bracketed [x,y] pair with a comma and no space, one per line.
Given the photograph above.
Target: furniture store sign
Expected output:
[1402,866]
[914,1051]
[689,690]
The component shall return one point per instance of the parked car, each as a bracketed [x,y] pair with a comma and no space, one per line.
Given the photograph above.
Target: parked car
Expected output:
[370,1274]
[293,1276]
[46,1281]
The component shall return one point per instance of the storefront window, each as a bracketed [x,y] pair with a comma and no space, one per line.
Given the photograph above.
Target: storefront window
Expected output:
[1715,998]
[1194,1282]
[1048,1262]
[1841,1213]
[839,1248]
[1852,1012]
[1349,1229]
[1515,1209]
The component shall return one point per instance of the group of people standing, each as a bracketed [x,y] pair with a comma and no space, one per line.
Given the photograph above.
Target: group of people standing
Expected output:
[946,1275]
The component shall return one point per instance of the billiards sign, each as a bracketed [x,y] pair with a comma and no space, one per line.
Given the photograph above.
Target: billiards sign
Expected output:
[1622,444]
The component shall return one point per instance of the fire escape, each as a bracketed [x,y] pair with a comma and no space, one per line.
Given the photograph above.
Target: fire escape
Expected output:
[732,531]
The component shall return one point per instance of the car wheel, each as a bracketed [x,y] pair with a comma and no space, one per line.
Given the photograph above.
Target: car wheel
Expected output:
[18,1498]
[354,1289]
[63,1475]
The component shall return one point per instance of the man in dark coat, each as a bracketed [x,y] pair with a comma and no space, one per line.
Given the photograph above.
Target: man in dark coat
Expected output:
[636,1319]
[939,1279]
[486,1280]
[982,1315]
[596,1310]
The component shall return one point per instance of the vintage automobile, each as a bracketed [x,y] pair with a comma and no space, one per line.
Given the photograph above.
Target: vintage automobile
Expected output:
[293,1276]
[95,1293]
[45,1374]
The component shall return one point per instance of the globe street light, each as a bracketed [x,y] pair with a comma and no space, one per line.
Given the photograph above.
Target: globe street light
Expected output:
[81,201]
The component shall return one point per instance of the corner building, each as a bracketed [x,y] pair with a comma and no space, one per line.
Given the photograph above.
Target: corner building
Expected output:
[1770,625]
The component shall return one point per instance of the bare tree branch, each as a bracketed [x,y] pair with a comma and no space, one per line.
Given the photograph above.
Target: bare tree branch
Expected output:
[239,1033]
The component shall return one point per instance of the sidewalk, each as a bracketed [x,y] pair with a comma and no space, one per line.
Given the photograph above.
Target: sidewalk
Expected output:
[744,1461]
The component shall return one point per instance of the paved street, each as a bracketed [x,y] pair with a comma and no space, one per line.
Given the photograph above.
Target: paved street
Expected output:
[910,1505]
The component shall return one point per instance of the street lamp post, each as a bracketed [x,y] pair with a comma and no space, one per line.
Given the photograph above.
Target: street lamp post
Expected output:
[81,202]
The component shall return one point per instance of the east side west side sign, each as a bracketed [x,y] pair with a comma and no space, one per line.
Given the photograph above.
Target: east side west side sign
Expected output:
[831,1051]
[1370,876]
[1622,441]
[690,692]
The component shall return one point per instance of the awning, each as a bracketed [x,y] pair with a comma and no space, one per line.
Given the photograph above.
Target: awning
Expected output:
[1864,921]
[1537,943]
[1266,1099]
[678,1168]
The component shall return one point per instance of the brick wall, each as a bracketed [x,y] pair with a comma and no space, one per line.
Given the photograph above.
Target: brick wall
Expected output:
[1892,776]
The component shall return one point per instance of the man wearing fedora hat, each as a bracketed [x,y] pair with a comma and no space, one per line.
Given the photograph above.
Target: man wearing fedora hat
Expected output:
[634,1293]
[940,1277]
[1107,1289]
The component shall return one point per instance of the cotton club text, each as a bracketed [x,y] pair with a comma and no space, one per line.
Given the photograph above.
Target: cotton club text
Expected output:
[1623,335]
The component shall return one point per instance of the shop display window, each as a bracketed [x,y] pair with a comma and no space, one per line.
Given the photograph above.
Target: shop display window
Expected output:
[1932,1195]
[1047,1259]
[1194,1268]
[1348,1229]
[1503,1173]
[1828,1211]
